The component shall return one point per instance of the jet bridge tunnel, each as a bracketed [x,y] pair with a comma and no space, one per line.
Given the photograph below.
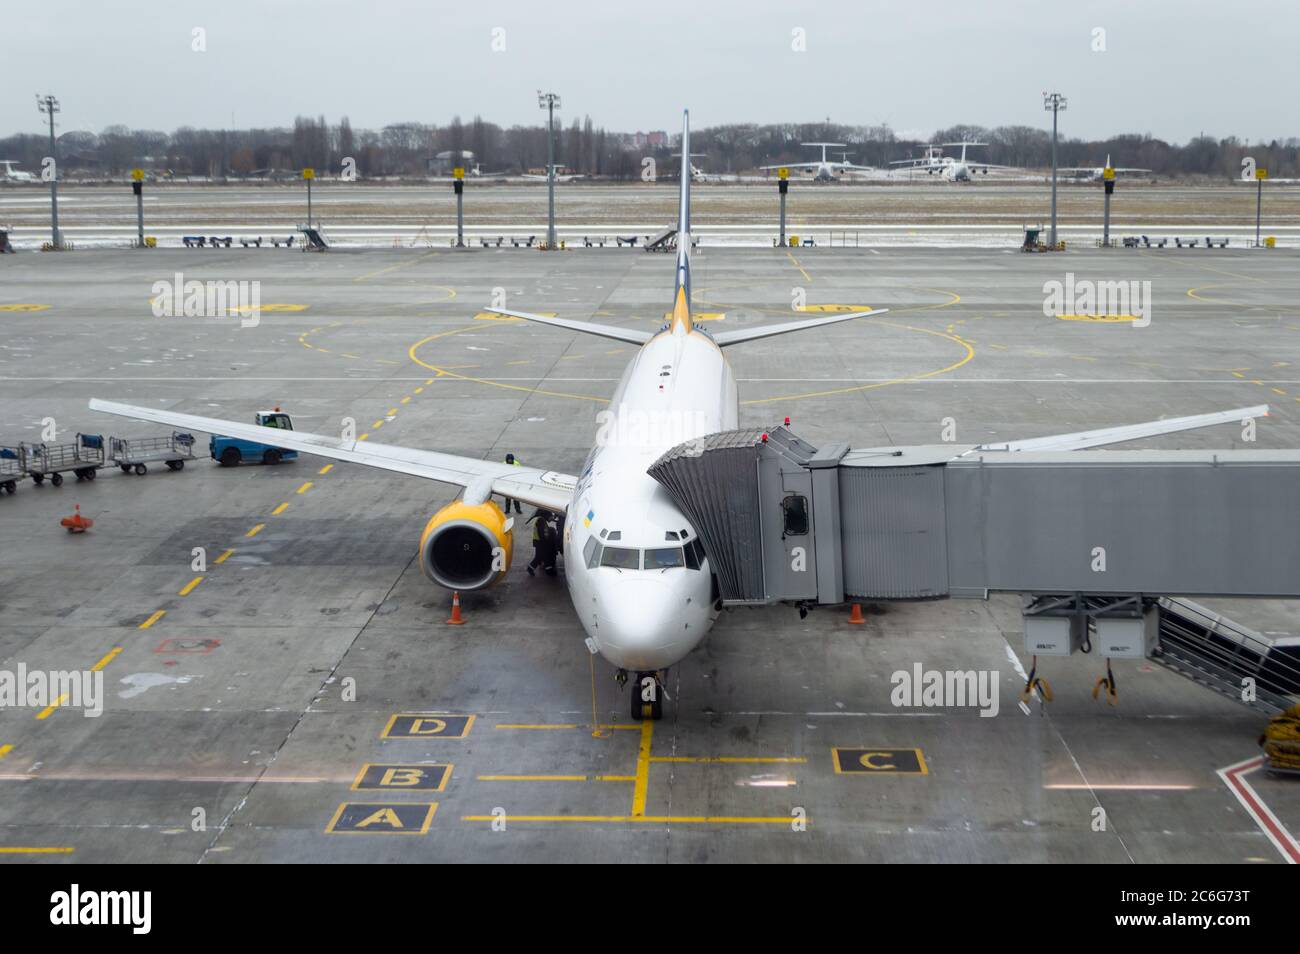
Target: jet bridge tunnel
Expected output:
[1091,539]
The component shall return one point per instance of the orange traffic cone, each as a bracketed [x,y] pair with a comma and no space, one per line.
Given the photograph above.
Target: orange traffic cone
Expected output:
[77,523]
[456,618]
[855,615]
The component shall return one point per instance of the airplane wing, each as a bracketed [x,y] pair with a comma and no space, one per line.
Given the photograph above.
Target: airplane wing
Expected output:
[633,335]
[541,488]
[794,165]
[725,338]
[1129,432]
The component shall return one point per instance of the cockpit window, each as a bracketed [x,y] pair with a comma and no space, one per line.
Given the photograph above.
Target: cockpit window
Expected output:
[591,552]
[621,558]
[663,558]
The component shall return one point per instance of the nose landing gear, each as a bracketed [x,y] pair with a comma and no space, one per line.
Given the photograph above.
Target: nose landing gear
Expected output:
[647,697]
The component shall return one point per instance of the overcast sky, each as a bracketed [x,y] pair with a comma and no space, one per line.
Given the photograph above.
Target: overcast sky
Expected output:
[1172,68]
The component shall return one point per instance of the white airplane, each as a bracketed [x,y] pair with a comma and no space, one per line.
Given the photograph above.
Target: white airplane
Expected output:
[636,571]
[9,174]
[931,160]
[954,169]
[567,177]
[637,574]
[824,170]
[1097,173]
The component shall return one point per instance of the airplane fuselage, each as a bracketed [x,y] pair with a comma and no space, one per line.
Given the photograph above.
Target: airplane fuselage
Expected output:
[640,593]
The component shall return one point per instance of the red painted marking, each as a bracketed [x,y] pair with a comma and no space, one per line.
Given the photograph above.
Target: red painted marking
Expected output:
[187,645]
[1263,816]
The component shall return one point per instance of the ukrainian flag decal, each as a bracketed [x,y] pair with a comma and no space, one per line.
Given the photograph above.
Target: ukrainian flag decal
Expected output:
[586,521]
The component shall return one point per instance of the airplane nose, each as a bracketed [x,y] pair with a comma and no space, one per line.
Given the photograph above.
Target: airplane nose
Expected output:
[641,626]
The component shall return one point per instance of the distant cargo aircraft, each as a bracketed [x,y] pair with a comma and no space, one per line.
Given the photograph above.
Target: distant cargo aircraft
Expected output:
[1096,173]
[955,169]
[824,170]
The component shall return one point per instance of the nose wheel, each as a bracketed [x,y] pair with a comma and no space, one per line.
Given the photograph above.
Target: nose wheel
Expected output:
[647,697]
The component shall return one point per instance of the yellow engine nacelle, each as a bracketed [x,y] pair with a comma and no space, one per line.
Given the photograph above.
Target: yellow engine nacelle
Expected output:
[467,546]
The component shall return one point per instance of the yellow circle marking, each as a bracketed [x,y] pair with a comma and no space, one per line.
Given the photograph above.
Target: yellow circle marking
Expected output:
[24,306]
[970,353]
[445,372]
[953,299]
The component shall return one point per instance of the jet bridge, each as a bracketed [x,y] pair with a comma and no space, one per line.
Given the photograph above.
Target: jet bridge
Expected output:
[1092,539]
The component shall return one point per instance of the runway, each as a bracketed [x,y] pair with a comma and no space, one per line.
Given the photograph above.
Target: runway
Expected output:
[927,213]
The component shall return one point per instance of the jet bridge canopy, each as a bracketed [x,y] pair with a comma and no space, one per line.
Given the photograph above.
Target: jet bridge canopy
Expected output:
[782,520]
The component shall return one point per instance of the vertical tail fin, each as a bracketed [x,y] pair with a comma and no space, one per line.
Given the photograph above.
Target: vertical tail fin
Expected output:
[682,287]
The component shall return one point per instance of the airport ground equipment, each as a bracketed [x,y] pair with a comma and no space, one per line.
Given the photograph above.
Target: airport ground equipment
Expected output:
[1216,243]
[1185,243]
[287,243]
[1281,743]
[82,457]
[135,453]
[665,241]
[5,244]
[313,240]
[194,241]
[232,451]
[1097,542]
[246,241]
[11,468]
[77,523]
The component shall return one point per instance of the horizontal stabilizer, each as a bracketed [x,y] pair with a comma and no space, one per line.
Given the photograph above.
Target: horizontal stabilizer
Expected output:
[725,338]
[1128,432]
[632,335]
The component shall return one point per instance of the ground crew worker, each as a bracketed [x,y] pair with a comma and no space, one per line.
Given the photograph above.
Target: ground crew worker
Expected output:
[540,526]
[510,459]
[550,545]
[559,532]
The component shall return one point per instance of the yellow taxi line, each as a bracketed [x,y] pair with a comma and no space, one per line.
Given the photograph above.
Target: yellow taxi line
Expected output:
[48,710]
[108,658]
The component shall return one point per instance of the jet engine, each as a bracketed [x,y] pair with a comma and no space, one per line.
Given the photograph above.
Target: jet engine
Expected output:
[467,546]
